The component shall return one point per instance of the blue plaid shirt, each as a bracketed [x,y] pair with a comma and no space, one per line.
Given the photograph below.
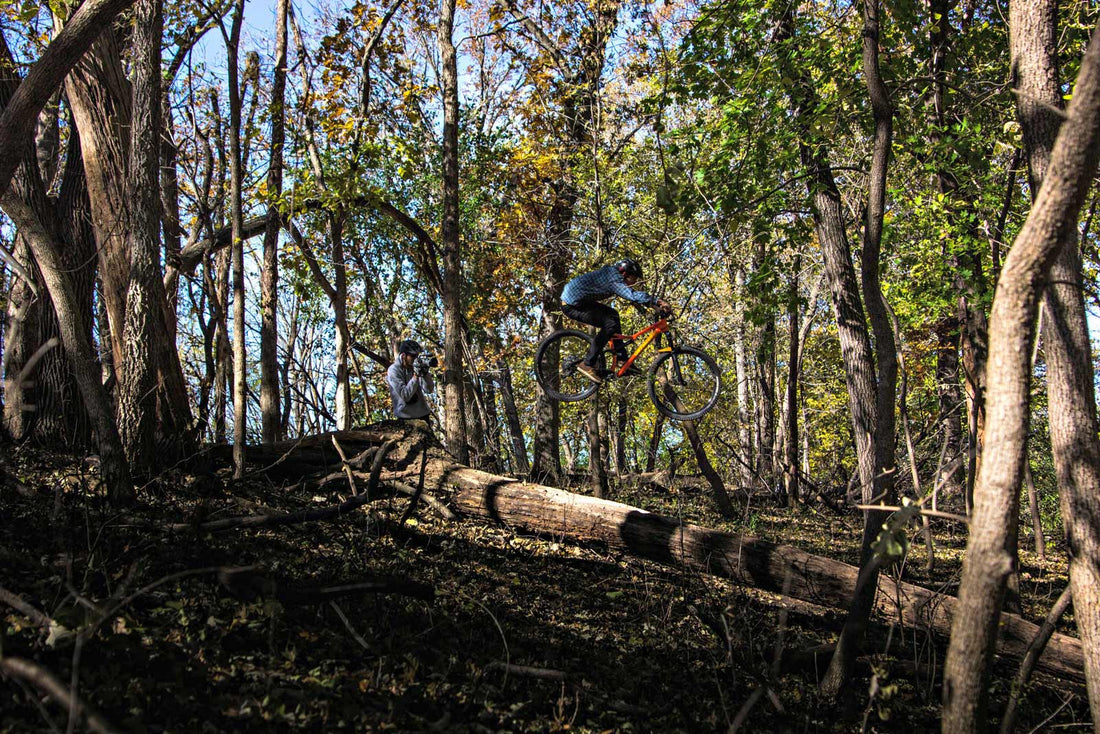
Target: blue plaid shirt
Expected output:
[599,285]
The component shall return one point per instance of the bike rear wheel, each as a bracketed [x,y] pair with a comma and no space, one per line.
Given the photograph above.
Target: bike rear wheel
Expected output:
[556,362]
[684,383]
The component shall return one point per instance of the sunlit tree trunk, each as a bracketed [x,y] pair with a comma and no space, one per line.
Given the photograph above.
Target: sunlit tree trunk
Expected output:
[450,235]
[1070,376]
[744,412]
[144,299]
[855,344]
[236,220]
[521,465]
[1025,274]
[99,96]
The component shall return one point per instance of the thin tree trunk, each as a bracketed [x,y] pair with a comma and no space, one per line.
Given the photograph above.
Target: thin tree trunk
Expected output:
[744,414]
[654,443]
[340,317]
[271,423]
[240,367]
[492,424]
[521,465]
[1036,517]
[1026,271]
[450,236]
[950,399]
[619,443]
[790,408]
[597,469]
[546,460]
[886,368]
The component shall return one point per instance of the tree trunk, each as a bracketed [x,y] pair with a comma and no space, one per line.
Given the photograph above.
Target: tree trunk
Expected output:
[492,424]
[950,400]
[144,299]
[744,414]
[25,312]
[597,468]
[66,49]
[100,98]
[996,497]
[619,436]
[507,397]
[450,235]
[855,345]
[546,461]
[113,468]
[339,297]
[236,220]
[473,421]
[886,366]
[1070,376]
[271,424]
[1036,518]
[790,407]
[654,443]
[765,401]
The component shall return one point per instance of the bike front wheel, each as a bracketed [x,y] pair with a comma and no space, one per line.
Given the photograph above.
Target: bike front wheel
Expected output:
[556,362]
[684,383]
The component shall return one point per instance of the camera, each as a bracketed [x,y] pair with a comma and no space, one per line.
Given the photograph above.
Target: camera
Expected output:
[424,362]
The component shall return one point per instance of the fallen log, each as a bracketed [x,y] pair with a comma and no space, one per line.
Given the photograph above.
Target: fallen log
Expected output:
[743,559]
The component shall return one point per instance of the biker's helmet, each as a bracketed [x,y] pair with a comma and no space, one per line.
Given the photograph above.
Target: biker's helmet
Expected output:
[409,346]
[629,266]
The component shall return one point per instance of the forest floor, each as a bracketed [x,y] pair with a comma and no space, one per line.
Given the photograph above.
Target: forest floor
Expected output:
[524,634]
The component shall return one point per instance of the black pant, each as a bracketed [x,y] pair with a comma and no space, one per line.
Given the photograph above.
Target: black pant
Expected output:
[604,318]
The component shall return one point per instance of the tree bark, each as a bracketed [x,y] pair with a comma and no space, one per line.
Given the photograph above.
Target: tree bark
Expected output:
[790,409]
[520,466]
[744,420]
[136,397]
[271,423]
[855,345]
[236,216]
[597,467]
[996,498]
[42,81]
[886,365]
[100,98]
[1070,376]
[452,252]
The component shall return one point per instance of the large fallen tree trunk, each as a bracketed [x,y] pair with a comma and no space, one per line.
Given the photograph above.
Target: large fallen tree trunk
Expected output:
[545,510]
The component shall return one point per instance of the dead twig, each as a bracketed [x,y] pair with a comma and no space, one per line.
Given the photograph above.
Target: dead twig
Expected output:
[294,518]
[344,464]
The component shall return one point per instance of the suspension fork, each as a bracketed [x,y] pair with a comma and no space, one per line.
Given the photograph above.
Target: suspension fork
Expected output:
[677,375]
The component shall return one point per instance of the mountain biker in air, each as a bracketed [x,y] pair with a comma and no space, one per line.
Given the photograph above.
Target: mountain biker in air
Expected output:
[581,302]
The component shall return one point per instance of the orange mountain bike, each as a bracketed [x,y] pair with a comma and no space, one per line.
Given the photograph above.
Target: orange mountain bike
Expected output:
[683,381]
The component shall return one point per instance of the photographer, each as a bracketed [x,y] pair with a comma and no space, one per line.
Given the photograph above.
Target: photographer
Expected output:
[408,379]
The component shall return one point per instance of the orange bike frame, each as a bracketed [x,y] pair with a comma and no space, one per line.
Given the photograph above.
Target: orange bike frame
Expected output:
[654,330]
